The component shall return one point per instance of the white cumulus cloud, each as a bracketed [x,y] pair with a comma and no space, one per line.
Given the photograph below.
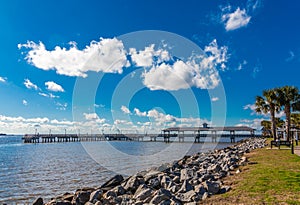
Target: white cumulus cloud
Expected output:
[198,71]
[105,55]
[251,107]
[162,72]
[162,119]
[139,113]
[235,20]
[50,95]
[2,79]
[93,117]
[52,86]
[122,122]
[30,85]
[145,58]
[125,109]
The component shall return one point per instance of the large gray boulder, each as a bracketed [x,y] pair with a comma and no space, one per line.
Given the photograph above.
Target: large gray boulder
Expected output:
[165,181]
[151,174]
[38,201]
[113,182]
[186,186]
[186,174]
[154,183]
[142,193]
[132,183]
[81,197]
[161,195]
[187,196]
[212,187]
[95,196]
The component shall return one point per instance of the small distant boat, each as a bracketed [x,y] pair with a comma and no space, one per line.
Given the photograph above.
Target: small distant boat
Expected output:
[1,134]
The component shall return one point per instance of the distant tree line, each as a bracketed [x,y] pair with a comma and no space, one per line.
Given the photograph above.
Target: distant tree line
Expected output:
[272,101]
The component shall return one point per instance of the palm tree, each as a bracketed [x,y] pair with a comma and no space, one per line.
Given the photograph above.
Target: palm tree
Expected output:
[295,119]
[267,128]
[268,103]
[279,122]
[267,125]
[288,97]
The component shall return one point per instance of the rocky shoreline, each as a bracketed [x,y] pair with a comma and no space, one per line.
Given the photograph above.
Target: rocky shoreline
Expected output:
[187,181]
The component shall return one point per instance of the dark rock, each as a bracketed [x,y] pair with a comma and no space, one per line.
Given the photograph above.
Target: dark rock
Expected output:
[159,198]
[132,183]
[204,196]
[215,168]
[142,193]
[176,179]
[173,188]
[62,203]
[186,186]
[224,189]
[154,183]
[187,196]
[165,202]
[165,181]
[119,190]
[161,195]
[81,197]
[199,189]
[186,174]
[206,177]
[113,182]
[110,193]
[166,192]
[95,196]
[126,199]
[175,202]
[68,197]
[118,200]
[233,167]
[98,203]
[151,174]
[38,201]
[194,181]
[212,187]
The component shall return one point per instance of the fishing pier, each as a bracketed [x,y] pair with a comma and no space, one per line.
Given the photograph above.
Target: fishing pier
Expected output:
[180,134]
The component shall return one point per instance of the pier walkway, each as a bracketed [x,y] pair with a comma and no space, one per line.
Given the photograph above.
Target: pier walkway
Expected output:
[174,133]
[197,138]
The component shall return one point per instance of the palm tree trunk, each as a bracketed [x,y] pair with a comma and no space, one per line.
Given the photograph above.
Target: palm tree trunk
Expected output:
[272,112]
[287,111]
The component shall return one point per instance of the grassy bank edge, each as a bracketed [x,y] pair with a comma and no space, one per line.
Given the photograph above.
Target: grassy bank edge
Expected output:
[271,177]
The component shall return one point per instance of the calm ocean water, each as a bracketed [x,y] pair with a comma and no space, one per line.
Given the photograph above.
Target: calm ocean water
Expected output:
[28,171]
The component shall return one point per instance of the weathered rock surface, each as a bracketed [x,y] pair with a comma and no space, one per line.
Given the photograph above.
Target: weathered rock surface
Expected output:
[114,181]
[38,201]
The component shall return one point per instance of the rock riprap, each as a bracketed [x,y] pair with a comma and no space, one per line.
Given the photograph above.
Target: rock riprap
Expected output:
[188,180]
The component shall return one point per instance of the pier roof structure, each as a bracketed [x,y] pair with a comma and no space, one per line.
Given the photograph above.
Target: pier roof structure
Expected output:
[213,129]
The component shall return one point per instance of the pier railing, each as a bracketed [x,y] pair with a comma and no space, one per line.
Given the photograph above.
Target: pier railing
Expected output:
[52,138]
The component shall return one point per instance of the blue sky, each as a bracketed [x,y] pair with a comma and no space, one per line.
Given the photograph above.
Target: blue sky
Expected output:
[134,65]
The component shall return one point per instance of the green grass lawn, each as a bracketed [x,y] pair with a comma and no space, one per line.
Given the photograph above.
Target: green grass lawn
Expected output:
[273,177]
